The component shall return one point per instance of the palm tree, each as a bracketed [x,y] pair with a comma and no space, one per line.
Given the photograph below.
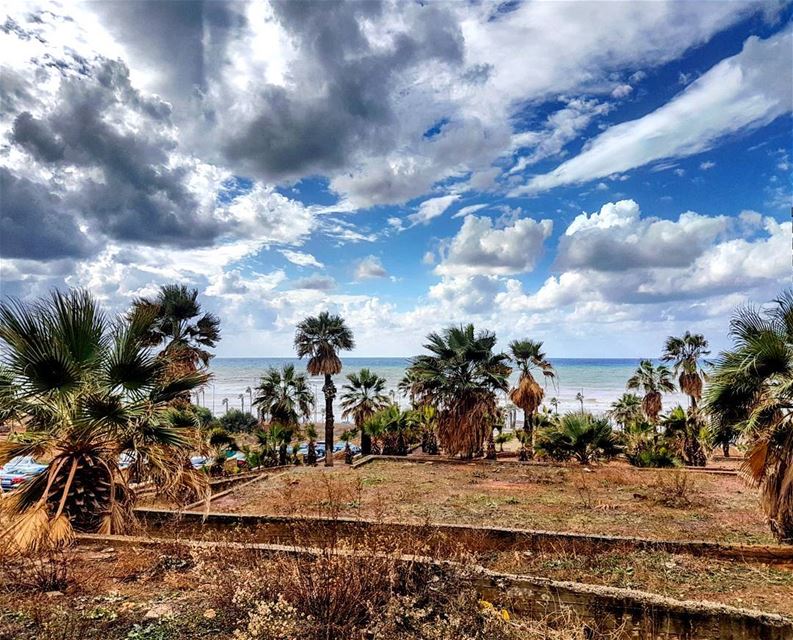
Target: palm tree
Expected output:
[320,338]
[653,381]
[685,353]
[88,389]
[683,430]
[581,436]
[528,394]
[178,325]
[460,378]
[284,396]
[751,390]
[626,411]
[361,399]
[580,398]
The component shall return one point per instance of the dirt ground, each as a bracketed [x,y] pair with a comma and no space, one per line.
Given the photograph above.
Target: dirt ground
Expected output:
[614,499]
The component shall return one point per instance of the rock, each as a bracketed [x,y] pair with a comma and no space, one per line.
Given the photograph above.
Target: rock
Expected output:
[159,611]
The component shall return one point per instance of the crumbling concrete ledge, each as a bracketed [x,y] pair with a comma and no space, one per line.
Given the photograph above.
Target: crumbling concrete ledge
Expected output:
[634,614]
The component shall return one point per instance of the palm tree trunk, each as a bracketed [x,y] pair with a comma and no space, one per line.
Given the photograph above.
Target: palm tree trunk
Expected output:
[528,427]
[725,449]
[366,441]
[329,389]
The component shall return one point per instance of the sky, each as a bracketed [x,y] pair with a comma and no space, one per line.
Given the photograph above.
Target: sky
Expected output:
[595,175]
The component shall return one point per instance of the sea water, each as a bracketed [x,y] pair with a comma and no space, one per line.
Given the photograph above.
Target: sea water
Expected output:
[601,381]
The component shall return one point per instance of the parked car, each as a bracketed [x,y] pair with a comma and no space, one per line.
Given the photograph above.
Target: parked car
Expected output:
[18,471]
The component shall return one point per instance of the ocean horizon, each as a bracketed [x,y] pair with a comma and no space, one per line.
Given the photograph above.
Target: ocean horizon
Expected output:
[601,380]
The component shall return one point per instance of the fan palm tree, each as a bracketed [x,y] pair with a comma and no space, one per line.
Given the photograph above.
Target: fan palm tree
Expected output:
[460,378]
[751,389]
[320,339]
[581,436]
[653,381]
[685,354]
[179,327]
[88,389]
[361,398]
[580,398]
[528,394]
[626,411]
[683,430]
[284,396]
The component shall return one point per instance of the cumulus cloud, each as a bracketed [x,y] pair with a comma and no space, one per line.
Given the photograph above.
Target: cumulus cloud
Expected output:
[370,267]
[316,281]
[480,248]
[617,238]
[746,91]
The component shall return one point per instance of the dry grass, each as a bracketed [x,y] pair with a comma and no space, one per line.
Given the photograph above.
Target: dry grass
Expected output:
[614,499]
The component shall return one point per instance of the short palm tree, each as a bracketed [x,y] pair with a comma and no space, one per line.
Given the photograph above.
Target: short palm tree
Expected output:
[685,353]
[283,395]
[460,378]
[528,394]
[179,326]
[751,390]
[88,389]
[653,381]
[683,430]
[320,339]
[581,436]
[361,398]
[626,411]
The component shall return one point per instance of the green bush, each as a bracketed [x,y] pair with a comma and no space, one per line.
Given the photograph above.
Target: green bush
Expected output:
[581,436]
[235,421]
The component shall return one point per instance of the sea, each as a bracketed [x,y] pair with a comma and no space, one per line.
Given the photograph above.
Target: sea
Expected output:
[600,380]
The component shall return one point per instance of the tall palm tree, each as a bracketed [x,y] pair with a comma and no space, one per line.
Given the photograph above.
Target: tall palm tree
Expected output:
[284,396]
[528,393]
[653,381]
[685,353]
[361,398]
[179,326]
[88,389]
[626,411]
[320,338]
[460,377]
[751,389]
[580,398]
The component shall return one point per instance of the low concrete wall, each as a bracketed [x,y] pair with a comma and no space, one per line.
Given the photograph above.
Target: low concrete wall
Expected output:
[634,614]
[264,528]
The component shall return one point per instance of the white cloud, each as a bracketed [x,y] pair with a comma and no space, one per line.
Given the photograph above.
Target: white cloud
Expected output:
[707,164]
[469,210]
[370,267]
[432,208]
[301,259]
[618,238]
[480,249]
[745,91]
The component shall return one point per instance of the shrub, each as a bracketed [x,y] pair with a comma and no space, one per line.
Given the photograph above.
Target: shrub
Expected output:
[581,436]
[237,421]
[656,454]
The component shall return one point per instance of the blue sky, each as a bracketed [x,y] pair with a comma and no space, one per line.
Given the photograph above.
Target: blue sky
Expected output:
[593,175]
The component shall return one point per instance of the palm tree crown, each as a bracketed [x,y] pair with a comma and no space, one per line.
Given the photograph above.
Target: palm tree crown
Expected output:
[460,377]
[88,389]
[320,338]
[179,326]
[685,353]
[654,381]
[284,395]
[627,410]
[528,394]
[751,390]
[361,398]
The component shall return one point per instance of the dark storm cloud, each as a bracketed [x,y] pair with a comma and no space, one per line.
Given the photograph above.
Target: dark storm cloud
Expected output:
[141,195]
[35,224]
[340,97]
[178,38]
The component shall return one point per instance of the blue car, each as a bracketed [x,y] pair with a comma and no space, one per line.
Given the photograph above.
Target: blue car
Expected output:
[18,471]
